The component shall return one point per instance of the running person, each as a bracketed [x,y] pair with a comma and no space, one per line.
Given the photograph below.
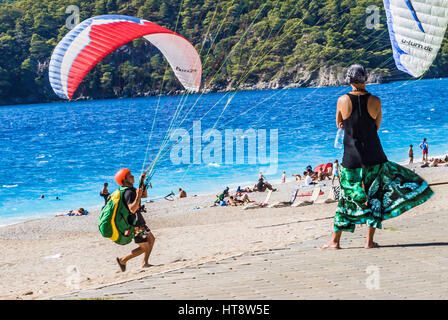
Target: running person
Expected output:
[143,236]
[373,189]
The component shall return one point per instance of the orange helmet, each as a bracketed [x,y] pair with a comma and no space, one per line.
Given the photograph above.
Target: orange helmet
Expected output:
[121,175]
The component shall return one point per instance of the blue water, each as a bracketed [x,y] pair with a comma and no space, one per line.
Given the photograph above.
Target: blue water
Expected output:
[69,149]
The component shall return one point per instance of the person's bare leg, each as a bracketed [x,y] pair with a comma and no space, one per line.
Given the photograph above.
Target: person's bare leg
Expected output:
[369,238]
[134,253]
[334,242]
[147,249]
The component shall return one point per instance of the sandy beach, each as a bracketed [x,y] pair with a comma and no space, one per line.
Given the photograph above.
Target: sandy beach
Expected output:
[39,256]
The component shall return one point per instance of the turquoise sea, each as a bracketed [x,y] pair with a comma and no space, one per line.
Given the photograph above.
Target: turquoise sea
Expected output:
[69,149]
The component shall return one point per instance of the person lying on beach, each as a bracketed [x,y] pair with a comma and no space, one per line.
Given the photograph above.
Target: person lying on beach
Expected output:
[234,202]
[79,212]
[435,162]
[182,193]
[132,200]
[240,191]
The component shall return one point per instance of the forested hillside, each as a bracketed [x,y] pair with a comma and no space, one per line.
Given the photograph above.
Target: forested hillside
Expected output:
[244,44]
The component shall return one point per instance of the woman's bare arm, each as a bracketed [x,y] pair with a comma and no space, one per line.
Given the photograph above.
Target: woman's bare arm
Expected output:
[374,108]
[339,117]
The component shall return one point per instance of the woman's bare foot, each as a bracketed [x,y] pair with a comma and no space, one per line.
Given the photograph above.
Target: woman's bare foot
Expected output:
[371,245]
[330,245]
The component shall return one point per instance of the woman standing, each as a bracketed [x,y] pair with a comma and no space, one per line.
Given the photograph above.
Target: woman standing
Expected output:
[373,189]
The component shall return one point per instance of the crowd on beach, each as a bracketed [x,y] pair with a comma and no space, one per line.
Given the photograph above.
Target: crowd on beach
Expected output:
[432,162]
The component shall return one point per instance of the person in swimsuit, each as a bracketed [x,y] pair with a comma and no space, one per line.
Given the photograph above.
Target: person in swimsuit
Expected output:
[182,193]
[335,171]
[105,193]
[411,154]
[424,146]
[373,189]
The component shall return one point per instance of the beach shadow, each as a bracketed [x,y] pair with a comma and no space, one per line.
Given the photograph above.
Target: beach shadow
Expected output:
[406,245]
[429,244]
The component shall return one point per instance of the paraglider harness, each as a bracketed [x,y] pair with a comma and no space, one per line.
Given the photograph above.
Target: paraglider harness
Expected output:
[115,220]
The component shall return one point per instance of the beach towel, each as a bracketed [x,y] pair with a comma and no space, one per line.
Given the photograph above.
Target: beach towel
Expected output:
[376,193]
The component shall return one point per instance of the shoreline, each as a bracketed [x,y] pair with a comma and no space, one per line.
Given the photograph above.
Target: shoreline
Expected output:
[38,253]
[233,186]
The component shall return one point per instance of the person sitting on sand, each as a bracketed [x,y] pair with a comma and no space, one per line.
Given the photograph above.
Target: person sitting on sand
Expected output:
[182,193]
[308,180]
[222,196]
[132,200]
[329,171]
[321,174]
[263,185]
[311,173]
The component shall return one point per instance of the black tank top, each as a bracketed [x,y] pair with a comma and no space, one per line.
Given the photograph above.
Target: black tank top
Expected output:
[362,146]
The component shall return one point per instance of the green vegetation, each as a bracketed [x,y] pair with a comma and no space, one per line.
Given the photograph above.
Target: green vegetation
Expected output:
[241,42]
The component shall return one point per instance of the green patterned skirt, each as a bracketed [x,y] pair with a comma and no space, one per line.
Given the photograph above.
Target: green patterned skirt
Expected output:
[380,192]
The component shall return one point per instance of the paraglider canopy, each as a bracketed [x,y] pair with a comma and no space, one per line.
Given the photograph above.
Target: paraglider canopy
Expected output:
[416,30]
[93,39]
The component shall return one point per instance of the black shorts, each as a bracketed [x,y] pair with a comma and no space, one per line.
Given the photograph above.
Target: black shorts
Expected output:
[141,234]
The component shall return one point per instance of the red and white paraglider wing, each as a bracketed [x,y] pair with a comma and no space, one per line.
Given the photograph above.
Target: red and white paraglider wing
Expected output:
[93,39]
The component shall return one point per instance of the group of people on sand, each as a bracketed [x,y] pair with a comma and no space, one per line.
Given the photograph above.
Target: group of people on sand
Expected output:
[371,185]
[239,198]
[433,162]
[425,149]
[330,171]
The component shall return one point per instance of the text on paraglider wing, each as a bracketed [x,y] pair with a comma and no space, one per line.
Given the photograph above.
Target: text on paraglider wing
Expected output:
[416,45]
[186,70]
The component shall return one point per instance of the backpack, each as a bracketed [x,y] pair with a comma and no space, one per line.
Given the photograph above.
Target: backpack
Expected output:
[113,219]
